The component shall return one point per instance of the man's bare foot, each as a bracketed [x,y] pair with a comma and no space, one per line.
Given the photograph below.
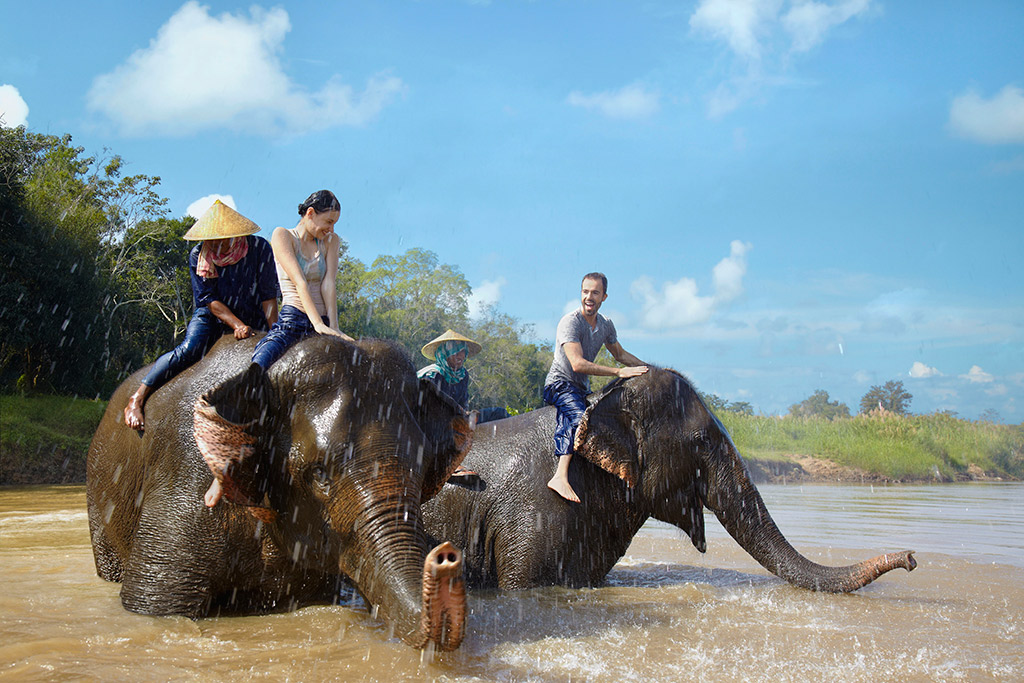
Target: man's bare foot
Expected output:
[562,488]
[213,494]
[133,412]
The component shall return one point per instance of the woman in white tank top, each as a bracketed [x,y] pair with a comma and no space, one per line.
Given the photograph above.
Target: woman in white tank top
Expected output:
[307,269]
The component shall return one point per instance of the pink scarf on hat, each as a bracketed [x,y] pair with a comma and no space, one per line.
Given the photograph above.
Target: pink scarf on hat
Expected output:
[208,260]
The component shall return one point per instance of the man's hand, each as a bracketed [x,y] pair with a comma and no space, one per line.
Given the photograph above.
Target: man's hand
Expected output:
[631,371]
[243,331]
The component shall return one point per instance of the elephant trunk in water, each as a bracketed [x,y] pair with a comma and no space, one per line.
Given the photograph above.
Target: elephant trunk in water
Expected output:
[421,595]
[739,507]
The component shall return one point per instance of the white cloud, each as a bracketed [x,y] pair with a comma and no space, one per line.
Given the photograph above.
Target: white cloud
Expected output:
[630,102]
[808,22]
[203,72]
[993,121]
[740,23]
[485,295]
[679,304]
[977,376]
[199,206]
[763,38]
[13,109]
[920,370]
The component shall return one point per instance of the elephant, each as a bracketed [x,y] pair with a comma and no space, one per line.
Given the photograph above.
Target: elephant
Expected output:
[647,446]
[343,445]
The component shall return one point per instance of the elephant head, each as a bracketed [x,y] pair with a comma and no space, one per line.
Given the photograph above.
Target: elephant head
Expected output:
[657,435]
[334,449]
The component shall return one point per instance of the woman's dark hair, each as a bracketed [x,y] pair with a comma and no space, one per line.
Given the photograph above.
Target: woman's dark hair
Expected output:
[321,201]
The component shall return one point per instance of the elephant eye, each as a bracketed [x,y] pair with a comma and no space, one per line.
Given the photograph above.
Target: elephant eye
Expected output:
[319,474]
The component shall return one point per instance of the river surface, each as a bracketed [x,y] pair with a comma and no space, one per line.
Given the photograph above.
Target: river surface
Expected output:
[667,613]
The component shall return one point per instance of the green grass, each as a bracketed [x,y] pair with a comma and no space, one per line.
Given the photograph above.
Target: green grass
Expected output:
[907,447]
[903,448]
[41,423]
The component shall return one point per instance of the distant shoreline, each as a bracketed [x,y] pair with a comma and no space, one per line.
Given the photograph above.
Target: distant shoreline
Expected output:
[66,466]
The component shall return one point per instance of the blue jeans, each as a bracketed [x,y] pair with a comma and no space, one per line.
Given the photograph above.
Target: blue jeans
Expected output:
[202,332]
[571,402]
[292,325]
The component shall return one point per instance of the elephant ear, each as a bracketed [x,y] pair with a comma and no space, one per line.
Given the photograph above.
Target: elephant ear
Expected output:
[607,436]
[231,423]
[449,435]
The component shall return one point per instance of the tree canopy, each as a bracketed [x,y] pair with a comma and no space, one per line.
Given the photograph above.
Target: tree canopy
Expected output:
[891,396]
[818,405]
[95,284]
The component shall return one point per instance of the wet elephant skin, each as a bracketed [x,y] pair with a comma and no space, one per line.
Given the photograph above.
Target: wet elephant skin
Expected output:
[347,445]
[647,447]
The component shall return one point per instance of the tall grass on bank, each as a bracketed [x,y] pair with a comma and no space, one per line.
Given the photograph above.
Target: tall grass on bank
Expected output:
[900,447]
[35,429]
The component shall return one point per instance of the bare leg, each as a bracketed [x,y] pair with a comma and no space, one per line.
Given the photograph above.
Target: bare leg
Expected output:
[560,482]
[133,411]
[213,493]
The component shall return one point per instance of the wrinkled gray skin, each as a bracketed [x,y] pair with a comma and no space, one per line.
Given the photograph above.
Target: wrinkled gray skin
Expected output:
[349,443]
[647,447]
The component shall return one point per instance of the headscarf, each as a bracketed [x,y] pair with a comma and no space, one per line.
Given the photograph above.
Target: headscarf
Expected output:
[208,260]
[441,355]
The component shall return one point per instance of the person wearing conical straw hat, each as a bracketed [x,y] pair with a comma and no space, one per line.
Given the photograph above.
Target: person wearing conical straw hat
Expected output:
[234,290]
[448,372]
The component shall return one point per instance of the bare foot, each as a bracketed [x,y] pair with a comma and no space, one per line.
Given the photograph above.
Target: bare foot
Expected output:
[213,494]
[133,412]
[562,488]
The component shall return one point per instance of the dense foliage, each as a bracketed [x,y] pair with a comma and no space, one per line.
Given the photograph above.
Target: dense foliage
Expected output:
[95,284]
[818,405]
[890,397]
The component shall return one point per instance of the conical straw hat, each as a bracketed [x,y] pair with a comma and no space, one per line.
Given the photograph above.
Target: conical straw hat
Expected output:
[220,222]
[472,348]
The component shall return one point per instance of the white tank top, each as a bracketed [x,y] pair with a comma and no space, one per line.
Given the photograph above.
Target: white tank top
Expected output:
[314,270]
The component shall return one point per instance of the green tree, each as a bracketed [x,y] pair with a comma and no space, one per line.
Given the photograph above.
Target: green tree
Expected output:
[891,396]
[62,239]
[509,371]
[818,405]
[410,298]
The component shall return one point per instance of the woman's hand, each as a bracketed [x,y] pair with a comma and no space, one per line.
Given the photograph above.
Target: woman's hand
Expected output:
[327,329]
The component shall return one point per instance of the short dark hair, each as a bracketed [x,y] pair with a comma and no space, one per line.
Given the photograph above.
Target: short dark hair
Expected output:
[597,276]
[320,201]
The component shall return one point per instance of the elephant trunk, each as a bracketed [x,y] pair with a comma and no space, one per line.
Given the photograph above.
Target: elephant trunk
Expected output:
[420,595]
[739,507]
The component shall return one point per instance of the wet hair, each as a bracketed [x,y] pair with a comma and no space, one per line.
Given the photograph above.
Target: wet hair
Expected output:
[597,276]
[320,201]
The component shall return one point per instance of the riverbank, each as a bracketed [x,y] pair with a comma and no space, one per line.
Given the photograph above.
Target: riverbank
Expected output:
[45,439]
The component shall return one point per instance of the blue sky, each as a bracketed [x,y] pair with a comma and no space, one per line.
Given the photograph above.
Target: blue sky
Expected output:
[786,195]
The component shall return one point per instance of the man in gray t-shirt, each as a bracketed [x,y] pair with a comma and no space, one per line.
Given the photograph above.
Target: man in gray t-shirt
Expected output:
[578,340]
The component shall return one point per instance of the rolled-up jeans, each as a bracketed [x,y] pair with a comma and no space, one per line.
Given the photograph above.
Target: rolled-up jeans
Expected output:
[202,332]
[570,401]
[292,325]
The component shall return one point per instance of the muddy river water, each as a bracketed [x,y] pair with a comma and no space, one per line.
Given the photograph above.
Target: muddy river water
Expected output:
[667,612]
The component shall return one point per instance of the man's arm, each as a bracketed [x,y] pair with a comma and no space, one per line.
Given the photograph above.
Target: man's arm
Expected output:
[574,352]
[623,356]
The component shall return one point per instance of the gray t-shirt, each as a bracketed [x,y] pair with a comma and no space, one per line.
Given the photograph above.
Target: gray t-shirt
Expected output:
[573,327]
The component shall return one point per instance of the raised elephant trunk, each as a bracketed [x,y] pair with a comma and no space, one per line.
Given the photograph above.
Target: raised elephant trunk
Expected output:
[420,594]
[739,507]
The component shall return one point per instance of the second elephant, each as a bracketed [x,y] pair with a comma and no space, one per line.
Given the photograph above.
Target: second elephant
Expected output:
[646,447]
